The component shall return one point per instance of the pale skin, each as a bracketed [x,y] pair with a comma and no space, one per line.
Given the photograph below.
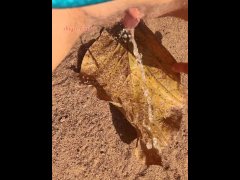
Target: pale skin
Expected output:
[63,38]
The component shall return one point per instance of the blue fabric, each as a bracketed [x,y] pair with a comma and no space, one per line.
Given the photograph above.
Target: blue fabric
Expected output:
[74,3]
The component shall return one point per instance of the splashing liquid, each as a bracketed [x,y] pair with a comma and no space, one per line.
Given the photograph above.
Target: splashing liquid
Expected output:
[138,57]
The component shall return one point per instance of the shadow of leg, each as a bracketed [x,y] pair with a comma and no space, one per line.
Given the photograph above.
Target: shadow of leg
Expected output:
[158,36]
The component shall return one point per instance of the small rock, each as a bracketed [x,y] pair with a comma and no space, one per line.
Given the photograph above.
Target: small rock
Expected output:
[102,151]
[62,119]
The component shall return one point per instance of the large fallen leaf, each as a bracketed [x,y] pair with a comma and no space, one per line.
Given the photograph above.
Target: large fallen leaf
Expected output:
[118,79]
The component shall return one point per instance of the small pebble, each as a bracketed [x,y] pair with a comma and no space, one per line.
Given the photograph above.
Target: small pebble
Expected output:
[62,120]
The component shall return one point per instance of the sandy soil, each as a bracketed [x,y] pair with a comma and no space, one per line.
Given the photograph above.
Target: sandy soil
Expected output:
[91,139]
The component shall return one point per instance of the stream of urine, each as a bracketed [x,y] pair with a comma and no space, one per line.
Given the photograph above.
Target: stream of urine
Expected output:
[138,57]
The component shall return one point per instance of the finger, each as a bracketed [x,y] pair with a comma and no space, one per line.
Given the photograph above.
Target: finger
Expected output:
[180,67]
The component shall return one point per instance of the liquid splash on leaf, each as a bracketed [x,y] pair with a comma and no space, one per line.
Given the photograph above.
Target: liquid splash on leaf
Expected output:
[118,79]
